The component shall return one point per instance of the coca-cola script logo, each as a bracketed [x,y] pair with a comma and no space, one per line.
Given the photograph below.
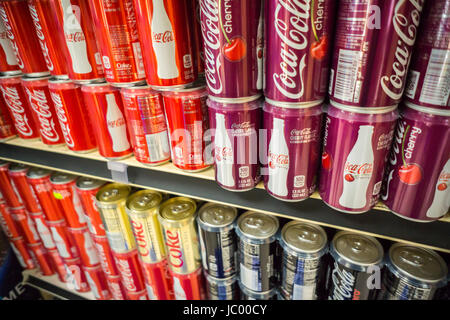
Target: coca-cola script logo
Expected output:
[351,169]
[14,103]
[41,36]
[139,234]
[223,153]
[127,275]
[61,114]
[77,36]
[163,37]
[343,283]
[103,259]
[278,160]
[175,253]
[11,37]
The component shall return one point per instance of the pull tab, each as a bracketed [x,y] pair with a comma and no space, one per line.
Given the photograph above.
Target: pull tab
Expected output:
[119,172]
[307,236]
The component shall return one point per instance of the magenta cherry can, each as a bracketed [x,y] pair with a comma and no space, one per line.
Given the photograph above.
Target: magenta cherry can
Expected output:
[429,75]
[373,46]
[298,38]
[355,149]
[417,179]
[235,125]
[232,33]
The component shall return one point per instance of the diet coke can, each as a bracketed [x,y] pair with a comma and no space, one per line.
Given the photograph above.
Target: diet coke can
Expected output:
[76,277]
[417,185]
[106,110]
[8,190]
[189,286]
[63,240]
[131,274]
[86,249]
[105,255]
[146,122]
[97,282]
[87,189]
[23,255]
[41,258]
[352,172]
[7,128]
[25,224]
[116,288]
[222,289]
[158,280]
[18,175]
[8,61]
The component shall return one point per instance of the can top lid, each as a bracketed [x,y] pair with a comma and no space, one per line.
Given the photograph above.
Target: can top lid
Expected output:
[37,173]
[61,177]
[85,183]
[433,111]
[364,110]
[216,215]
[177,209]
[294,105]
[144,200]
[235,100]
[18,167]
[357,248]
[304,237]
[113,192]
[418,263]
[59,80]
[11,75]
[257,225]
[26,78]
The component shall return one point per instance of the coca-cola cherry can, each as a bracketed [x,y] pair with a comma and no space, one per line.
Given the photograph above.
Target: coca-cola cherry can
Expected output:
[189,286]
[158,280]
[71,112]
[76,277]
[235,124]
[20,249]
[293,149]
[170,48]
[116,288]
[146,122]
[233,61]
[87,189]
[41,258]
[18,175]
[131,274]
[105,255]
[352,170]
[85,245]
[298,40]
[187,121]
[417,185]
[117,35]
[97,282]
[8,61]
[198,40]
[428,83]
[106,110]
[21,32]
[63,240]
[8,190]
[57,264]
[373,46]
[7,128]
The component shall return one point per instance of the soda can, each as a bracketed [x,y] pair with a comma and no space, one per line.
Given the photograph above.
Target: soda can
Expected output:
[71,112]
[57,264]
[217,239]
[8,190]
[63,240]
[111,201]
[352,172]
[222,289]
[23,117]
[187,121]
[20,249]
[105,108]
[417,186]
[199,57]
[76,278]
[41,258]
[413,273]
[169,47]
[236,124]
[20,31]
[146,122]
[7,128]
[257,250]
[41,103]
[293,149]
[247,294]
[298,40]
[370,63]
[97,282]
[43,230]
[356,258]
[142,209]
[177,217]
[10,228]
[117,34]
[87,189]
[86,249]
[158,280]
[303,265]
[105,255]
[116,288]
[8,61]
[131,274]
[189,286]
[25,224]
[230,39]
[74,22]
[18,175]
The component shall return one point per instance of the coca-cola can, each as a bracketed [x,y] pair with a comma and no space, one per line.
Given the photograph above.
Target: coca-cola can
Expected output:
[21,32]
[7,128]
[352,172]
[10,228]
[41,103]
[24,257]
[87,189]
[43,230]
[199,57]
[373,46]
[233,62]
[76,277]
[57,264]
[222,289]
[247,294]
[105,255]
[86,249]
[298,40]
[97,282]
[146,122]
[131,274]
[117,35]
[293,149]
[41,258]
[169,47]
[73,118]
[235,124]
[189,286]
[25,120]
[8,190]
[75,24]
[158,280]
[8,61]
[25,224]
[106,110]
[417,185]
[188,123]
[356,258]
[63,240]
[116,288]
[18,175]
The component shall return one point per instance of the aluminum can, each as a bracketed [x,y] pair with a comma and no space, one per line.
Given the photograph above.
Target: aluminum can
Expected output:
[41,258]
[43,230]
[189,286]
[247,294]
[57,264]
[10,228]
[85,245]
[8,189]
[23,255]
[105,255]
[18,176]
[25,224]
[97,282]
[131,274]
[87,189]
[63,240]
[7,128]
[158,280]
[76,277]
[8,61]
[116,288]
[222,289]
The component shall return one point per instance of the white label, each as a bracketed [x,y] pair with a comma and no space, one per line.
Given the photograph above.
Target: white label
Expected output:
[158,146]
[347,75]
[249,278]
[411,86]
[303,292]
[436,85]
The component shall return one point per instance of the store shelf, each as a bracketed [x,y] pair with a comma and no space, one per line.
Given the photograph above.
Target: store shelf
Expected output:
[167,178]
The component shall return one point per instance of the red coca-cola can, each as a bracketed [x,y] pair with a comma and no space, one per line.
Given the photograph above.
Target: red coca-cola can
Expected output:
[85,245]
[63,240]
[41,258]
[189,286]
[105,108]
[116,288]
[158,280]
[8,61]
[146,122]
[7,128]
[169,47]
[25,224]
[106,257]
[20,30]
[18,175]
[117,35]
[7,189]
[73,120]
[43,230]
[14,96]
[8,225]
[187,120]
[76,278]
[57,264]
[131,273]
[20,249]
[87,188]
[97,281]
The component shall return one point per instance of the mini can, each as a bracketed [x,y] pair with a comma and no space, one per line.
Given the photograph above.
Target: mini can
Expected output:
[413,273]
[41,258]
[189,286]
[63,240]
[105,108]
[247,294]
[76,278]
[23,255]
[257,251]
[198,40]
[25,224]
[18,175]
[177,217]
[222,289]
[97,282]
[43,230]
[158,280]
[8,61]
[293,149]
[236,124]
[356,258]
[146,122]
[142,208]
[116,288]
[86,249]
[7,128]
[111,201]
[87,189]
[105,255]
[57,264]
[8,189]
[352,170]
[10,228]
[217,239]
[303,265]
[131,273]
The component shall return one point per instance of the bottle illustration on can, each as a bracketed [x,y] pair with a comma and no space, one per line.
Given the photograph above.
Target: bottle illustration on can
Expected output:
[116,125]
[224,155]
[278,160]
[441,200]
